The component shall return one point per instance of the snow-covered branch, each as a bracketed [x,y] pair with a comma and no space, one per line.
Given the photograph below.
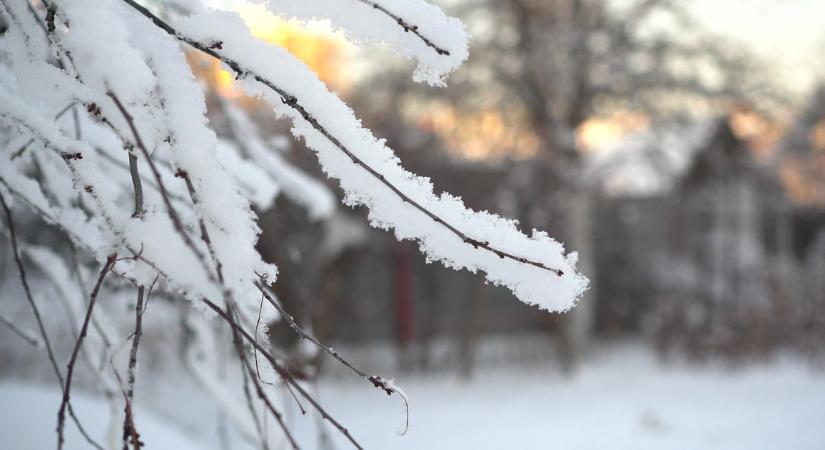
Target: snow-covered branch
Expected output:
[136,170]
[396,198]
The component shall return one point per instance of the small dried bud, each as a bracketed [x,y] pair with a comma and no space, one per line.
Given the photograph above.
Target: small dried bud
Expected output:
[71,156]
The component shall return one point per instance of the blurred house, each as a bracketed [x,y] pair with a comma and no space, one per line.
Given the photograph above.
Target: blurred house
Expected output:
[707,259]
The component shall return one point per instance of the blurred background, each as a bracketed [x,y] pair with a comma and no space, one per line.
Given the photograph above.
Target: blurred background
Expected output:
[677,146]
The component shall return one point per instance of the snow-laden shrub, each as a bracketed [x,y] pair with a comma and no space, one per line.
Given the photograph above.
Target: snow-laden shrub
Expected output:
[104,137]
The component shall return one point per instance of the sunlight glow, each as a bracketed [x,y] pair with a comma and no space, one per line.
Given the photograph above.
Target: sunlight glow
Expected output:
[600,131]
[321,49]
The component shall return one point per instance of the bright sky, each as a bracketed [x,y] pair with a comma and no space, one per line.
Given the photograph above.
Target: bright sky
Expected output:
[787,34]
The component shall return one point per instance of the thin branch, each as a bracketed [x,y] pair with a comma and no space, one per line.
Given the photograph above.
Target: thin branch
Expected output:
[290,320]
[60,289]
[376,381]
[262,395]
[293,103]
[408,27]
[107,342]
[19,332]
[24,281]
[193,195]
[257,369]
[36,16]
[248,375]
[173,214]
[143,179]
[250,405]
[23,148]
[61,413]
[48,27]
[136,185]
[255,334]
[281,371]
[129,431]
[149,294]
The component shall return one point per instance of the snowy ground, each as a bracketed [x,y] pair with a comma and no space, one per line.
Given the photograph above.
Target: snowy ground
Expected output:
[28,416]
[623,399]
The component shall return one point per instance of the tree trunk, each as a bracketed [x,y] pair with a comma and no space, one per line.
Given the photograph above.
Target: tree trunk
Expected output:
[578,323]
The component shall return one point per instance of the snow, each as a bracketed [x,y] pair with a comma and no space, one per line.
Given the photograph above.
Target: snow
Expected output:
[231,224]
[139,172]
[387,210]
[133,86]
[101,50]
[28,418]
[622,399]
[318,200]
[363,21]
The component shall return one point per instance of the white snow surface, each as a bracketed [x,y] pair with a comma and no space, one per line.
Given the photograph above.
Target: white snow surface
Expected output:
[623,399]
[28,416]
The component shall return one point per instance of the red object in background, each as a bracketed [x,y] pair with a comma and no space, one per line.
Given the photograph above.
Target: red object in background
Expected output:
[404,310]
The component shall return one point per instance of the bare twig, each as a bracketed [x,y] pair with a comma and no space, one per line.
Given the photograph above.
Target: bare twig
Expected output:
[137,186]
[257,324]
[408,27]
[143,179]
[23,148]
[173,214]
[49,351]
[292,102]
[257,369]
[376,381]
[19,332]
[262,396]
[107,342]
[61,413]
[281,371]
[129,431]
[149,294]
[248,375]
[250,405]
[193,195]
